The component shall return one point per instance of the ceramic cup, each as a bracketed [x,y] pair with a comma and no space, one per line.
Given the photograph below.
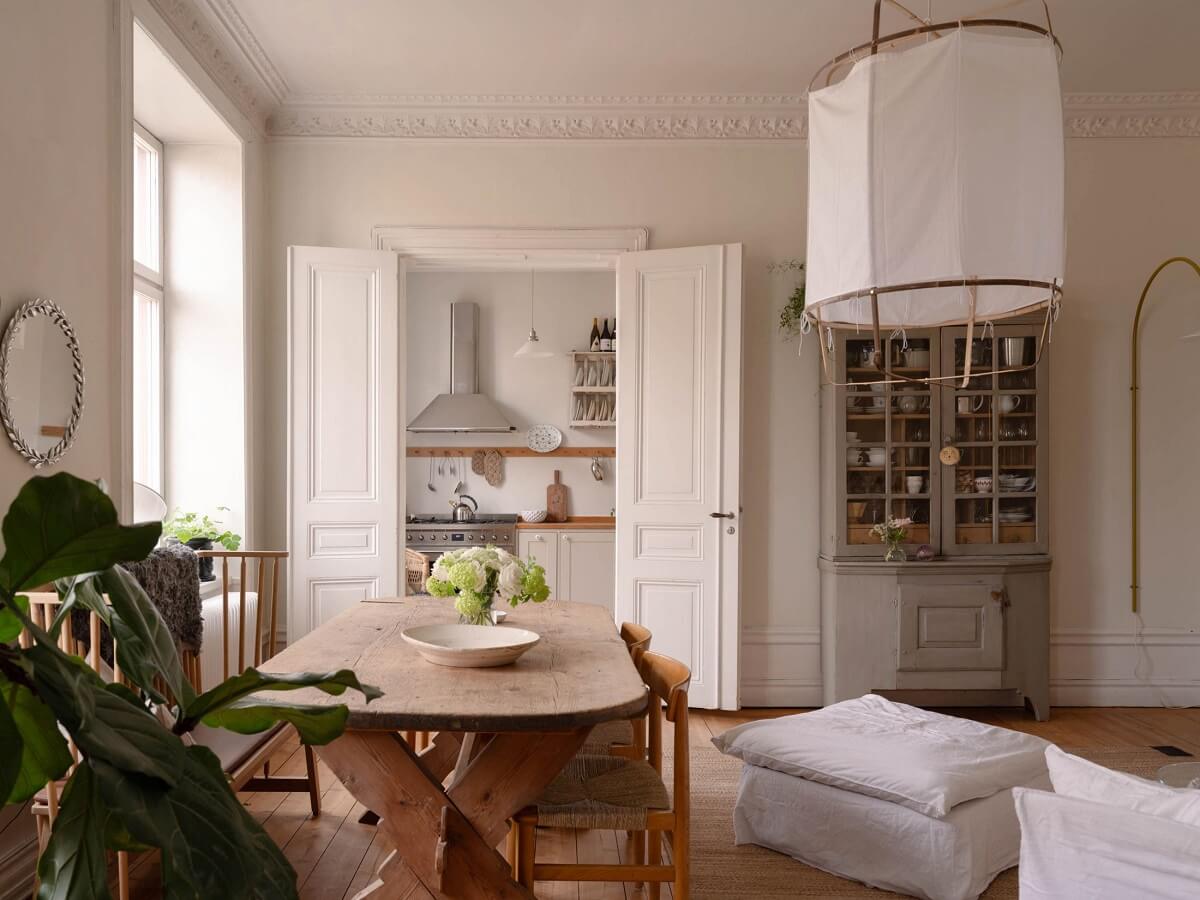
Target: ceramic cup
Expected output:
[917,358]
[914,483]
[983,484]
[969,404]
[1009,402]
[877,456]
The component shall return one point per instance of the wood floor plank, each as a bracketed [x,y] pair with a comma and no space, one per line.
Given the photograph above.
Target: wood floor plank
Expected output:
[336,857]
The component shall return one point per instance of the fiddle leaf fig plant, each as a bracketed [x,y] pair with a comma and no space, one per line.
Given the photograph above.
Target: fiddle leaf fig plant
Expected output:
[139,782]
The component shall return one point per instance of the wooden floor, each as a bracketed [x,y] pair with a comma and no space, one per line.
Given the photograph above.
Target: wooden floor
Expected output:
[334,856]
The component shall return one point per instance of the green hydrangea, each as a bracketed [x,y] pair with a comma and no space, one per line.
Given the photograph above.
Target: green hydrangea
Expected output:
[533,585]
[467,575]
[473,607]
[439,588]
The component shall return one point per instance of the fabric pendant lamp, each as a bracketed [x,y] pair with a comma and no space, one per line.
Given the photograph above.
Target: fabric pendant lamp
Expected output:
[935,184]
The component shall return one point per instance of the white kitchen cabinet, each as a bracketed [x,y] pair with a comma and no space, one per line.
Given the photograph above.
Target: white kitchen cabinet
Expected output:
[587,566]
[542,547]
[580,564]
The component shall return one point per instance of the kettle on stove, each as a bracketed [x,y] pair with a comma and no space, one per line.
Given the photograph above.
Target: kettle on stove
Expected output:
[460,512]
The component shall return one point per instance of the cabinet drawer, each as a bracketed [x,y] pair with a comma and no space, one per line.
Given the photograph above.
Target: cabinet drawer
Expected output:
[951,627]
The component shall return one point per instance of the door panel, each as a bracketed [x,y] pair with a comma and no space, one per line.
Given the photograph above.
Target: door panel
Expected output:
[678,437]
[951,626]
[345,396]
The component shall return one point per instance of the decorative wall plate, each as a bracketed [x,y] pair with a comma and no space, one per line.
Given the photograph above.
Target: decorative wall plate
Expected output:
[543,438]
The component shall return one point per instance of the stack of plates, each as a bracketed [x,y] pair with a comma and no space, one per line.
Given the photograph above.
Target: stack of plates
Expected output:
[1014,516]
[1017,483]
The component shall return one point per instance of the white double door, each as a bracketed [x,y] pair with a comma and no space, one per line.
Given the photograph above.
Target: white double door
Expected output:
[678,446]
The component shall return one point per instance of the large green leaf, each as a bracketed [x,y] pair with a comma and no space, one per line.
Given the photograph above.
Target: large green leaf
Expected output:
[63,525]
[73,865]
[11,748]
[42,752]
[10,625]
[211,847]
[316,724]
[145,646]
[78,590]
[104,721]
[252,681]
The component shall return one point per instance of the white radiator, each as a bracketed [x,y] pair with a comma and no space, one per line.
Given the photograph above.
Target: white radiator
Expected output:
[211,666]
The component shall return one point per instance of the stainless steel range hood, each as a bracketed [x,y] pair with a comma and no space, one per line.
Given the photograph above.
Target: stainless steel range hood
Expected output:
[464,409]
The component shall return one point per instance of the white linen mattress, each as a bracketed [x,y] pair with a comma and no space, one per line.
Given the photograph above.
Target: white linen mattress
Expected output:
[877,842]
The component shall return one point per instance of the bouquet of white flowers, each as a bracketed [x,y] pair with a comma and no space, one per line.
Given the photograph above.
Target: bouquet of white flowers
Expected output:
[479,575]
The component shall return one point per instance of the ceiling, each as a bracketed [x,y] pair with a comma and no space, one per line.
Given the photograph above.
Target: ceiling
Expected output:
[624,48]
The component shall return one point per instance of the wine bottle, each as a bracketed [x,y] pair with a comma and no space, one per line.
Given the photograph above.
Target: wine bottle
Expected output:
[594,340]
[612,344]
[605,338]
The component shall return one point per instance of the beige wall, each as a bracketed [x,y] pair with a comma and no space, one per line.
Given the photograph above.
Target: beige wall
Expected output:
[57,241]
[1130,202]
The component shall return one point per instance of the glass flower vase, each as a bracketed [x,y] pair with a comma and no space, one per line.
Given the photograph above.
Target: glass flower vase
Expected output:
[475,612]
[895,553]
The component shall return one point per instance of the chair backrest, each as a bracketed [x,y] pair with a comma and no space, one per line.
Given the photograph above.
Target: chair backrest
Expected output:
[262,560]
[43,607]
[668,680]
[636,638]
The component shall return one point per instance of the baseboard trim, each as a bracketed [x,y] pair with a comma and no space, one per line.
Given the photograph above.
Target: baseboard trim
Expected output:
[1123,692]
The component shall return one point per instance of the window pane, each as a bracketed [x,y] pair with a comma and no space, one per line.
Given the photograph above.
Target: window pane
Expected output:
[146,223]
[147,391]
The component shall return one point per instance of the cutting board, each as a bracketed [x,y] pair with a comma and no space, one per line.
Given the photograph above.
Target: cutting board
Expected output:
[556,499]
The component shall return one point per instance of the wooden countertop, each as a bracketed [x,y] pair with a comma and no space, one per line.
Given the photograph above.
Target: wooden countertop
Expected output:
[596,523]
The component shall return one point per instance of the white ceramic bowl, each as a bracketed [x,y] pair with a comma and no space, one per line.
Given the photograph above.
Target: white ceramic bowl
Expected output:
[877,456]
[533,516]
[470,646]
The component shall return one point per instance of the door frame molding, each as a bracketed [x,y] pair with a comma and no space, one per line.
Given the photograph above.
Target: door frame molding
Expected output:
[499,248]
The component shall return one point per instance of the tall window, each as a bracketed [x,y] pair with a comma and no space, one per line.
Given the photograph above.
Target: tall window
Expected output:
[147,309]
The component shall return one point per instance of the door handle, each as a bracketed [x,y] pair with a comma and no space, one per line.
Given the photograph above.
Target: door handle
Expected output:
[727,515]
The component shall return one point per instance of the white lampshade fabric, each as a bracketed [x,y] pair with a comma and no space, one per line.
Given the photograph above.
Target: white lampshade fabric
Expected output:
[943,162]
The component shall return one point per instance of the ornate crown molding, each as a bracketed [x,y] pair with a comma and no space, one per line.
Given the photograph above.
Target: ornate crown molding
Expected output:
[681,117]
[223,45]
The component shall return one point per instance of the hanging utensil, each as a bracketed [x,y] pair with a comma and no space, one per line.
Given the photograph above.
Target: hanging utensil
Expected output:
[597,469]
[429,483]
[441,466]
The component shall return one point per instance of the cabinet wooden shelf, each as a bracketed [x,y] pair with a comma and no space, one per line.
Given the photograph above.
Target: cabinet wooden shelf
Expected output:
[971,627]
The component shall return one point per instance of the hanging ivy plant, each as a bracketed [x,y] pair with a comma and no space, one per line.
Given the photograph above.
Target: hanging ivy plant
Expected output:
[792,314]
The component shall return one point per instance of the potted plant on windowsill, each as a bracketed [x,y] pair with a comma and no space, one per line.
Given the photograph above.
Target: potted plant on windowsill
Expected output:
[201,533]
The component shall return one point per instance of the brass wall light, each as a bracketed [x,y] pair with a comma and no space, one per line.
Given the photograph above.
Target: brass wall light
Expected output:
[1135,339]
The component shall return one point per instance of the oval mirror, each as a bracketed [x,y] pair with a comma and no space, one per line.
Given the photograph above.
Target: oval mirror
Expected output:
[41,382]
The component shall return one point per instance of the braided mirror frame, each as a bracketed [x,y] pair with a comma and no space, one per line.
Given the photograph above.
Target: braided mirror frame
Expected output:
[55,314]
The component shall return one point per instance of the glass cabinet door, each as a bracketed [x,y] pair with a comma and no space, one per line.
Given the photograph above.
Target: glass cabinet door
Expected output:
[890,443]
[992,496]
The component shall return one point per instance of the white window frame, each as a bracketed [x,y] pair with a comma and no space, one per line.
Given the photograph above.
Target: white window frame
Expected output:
[150,283]
[141,270]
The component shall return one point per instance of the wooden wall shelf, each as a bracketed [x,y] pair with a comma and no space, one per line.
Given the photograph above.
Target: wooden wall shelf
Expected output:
[586,452]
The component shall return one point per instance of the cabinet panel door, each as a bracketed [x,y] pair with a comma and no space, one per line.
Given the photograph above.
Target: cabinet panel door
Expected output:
[542,548]
[951,626]
[587,567]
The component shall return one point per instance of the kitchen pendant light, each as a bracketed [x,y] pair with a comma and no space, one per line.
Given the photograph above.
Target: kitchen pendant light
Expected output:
[936,178]
[532,348]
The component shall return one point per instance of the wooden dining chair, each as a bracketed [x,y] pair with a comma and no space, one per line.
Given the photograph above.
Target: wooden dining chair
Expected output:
[623,737]
[251,617]
[624,795]
[42,609]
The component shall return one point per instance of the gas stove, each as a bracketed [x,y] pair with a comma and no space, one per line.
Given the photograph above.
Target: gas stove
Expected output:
[435,535]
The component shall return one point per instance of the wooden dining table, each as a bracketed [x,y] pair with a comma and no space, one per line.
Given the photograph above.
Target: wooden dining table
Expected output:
[502,734]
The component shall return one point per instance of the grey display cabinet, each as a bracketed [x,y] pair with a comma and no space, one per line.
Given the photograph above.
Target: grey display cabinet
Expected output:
[970,627]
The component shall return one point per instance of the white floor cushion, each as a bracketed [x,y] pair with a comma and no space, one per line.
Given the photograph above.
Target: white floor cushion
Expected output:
[1084,780]
[882,844]
[1074,849]
[924,760]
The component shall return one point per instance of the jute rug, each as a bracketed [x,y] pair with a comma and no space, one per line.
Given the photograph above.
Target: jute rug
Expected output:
[722,871]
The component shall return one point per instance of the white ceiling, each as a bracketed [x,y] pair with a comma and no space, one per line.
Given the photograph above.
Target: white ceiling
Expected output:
[658,47]
[166,104]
